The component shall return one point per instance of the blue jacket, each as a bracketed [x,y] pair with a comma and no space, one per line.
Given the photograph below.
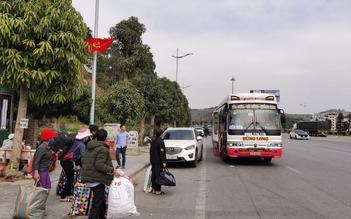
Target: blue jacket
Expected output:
[78,149]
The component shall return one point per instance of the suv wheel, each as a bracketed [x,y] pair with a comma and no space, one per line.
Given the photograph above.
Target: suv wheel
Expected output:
[194,162]
[201,154]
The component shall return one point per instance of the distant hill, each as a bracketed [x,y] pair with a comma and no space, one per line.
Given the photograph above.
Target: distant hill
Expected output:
[201,116]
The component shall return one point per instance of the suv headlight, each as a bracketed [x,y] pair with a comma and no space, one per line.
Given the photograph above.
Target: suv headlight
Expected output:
[190,147]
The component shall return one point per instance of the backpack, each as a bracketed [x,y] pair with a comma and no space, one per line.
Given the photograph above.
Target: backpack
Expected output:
[62,143]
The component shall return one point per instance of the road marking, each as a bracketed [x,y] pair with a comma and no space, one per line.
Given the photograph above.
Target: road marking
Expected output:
[292,169]
[200,207]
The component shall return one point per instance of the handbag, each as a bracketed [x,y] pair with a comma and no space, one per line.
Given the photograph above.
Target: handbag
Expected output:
[31,201]
[69,155]
[52,163]
[166,178]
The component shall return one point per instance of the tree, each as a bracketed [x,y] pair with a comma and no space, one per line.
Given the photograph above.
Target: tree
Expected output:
[148,87]
[79,108]
[42,54]
[172,106]
[340,123]
[122,102]
[129,57]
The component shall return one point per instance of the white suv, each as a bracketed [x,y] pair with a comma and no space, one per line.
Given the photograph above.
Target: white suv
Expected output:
[183,145]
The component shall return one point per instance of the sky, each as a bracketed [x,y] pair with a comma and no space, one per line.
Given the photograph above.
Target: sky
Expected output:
[302,48]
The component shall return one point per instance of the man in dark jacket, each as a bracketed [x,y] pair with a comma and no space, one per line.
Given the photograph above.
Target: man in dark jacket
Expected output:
[98,171]
[157,160]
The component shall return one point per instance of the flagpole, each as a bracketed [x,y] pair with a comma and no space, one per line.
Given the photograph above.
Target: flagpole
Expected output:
[93,83]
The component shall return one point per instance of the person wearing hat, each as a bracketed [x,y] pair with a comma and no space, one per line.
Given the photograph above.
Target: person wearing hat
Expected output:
[42,160]
[71,165]
[8,143]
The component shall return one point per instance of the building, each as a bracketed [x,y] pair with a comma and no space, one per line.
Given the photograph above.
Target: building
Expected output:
[331,115]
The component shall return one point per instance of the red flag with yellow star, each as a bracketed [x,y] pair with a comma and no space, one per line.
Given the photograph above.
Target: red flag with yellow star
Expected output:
[97,44]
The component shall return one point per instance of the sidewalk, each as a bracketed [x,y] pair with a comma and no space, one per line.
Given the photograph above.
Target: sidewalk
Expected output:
[55,208]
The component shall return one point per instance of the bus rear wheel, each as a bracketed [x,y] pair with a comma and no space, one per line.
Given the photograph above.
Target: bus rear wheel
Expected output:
[267,159]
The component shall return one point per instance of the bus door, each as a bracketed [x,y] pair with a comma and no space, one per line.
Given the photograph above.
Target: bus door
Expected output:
[215,133]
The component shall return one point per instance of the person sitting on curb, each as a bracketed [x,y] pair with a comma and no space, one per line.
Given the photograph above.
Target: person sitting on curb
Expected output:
[8,143]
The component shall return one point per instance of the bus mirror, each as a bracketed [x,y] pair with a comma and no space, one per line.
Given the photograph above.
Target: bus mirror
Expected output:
[282,118]
[282,115]
[223,119]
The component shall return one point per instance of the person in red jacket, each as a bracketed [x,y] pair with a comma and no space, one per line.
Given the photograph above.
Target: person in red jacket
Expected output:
[157,160]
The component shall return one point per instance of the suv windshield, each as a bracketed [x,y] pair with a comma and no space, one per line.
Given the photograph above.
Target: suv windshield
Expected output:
[178,135]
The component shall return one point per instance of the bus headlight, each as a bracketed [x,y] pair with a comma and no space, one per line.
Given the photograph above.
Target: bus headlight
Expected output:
[276,145]
[232,144]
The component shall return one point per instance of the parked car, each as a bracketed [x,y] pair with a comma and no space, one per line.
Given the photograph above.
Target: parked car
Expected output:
[183,145]
[200,131]
[299,134]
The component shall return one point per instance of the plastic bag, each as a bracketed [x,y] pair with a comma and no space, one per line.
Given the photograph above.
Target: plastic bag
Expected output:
[166,178]
[31,202]
[121,198]
[147,182]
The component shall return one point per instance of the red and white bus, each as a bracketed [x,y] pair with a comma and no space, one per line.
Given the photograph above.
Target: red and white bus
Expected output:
[248,125]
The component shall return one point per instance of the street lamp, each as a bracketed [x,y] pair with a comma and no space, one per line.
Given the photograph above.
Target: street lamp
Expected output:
[233,79]
[179,57]
[184,87]
[93,77]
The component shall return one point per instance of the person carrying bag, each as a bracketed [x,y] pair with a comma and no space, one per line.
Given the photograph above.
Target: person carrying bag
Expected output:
[158,161]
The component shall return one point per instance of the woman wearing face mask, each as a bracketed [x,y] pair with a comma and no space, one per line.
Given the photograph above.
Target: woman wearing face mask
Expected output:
[70,166]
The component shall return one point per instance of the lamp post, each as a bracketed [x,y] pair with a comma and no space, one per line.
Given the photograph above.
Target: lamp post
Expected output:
[179,57]
[184,87]
[93,78]
[233,79]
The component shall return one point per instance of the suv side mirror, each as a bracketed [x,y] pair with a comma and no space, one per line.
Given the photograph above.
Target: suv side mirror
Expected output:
[198,138]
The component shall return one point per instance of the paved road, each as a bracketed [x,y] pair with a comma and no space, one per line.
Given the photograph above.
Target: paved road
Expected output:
[312,180]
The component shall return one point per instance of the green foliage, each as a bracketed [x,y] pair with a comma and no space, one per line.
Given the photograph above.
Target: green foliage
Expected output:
[128,56]
[121,103]
[292,119]
[79,107]
[42,47]
[172,104]
[128,34]
[149,87]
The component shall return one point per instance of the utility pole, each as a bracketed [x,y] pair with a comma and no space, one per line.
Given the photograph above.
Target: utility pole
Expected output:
[233,79]
[179,57]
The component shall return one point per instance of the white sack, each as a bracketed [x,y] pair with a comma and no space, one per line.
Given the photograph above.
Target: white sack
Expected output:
[147,180]
[121,198]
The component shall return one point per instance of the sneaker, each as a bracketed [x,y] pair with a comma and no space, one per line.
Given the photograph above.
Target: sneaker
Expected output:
[117,167]
[123,167]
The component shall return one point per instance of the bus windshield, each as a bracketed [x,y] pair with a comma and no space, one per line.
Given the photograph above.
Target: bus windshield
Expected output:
[253,117]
